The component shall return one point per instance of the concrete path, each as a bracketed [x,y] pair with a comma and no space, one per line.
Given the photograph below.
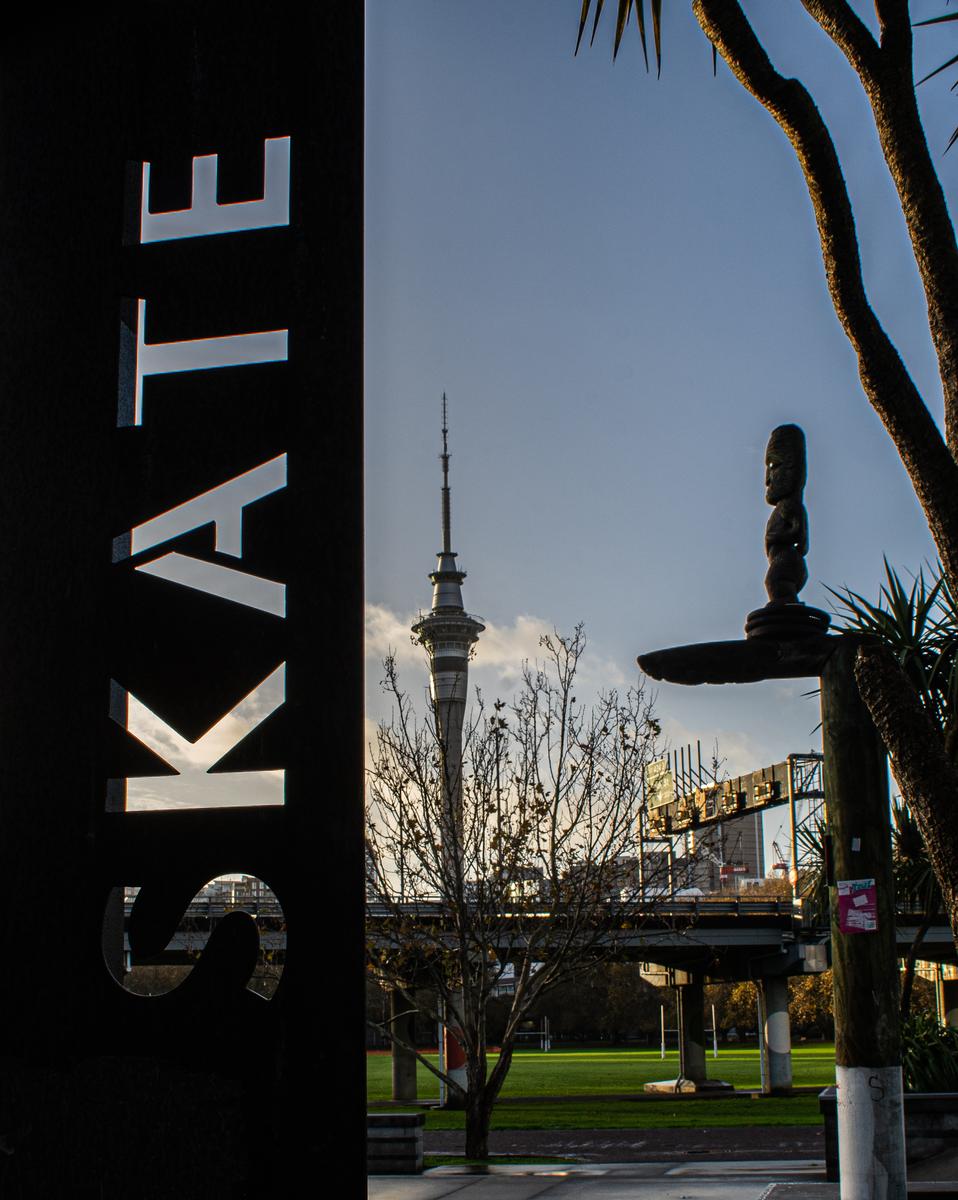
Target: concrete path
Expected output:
[791,1180]
[784,1179]
[635,1181]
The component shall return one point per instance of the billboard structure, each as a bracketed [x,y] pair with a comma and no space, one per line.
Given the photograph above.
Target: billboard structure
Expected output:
[721,819]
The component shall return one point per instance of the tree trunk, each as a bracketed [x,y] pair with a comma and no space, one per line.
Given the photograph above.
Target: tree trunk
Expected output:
[478,1118]
[927,778]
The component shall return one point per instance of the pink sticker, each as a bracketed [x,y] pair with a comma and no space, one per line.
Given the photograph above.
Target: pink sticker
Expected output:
[857,906]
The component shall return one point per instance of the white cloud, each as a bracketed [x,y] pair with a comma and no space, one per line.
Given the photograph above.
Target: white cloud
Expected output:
[389,633]
[737,753]
[499,656]
[503,649]
[194,787]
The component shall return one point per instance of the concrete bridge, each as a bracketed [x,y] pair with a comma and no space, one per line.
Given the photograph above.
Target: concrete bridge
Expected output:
[726,937]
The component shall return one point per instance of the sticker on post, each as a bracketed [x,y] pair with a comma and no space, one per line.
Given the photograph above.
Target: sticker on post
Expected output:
[857,906]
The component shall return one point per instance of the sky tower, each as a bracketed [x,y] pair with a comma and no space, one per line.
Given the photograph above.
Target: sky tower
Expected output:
[448,632]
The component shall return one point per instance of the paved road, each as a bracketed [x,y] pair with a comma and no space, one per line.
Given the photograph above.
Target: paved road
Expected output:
[755,1143]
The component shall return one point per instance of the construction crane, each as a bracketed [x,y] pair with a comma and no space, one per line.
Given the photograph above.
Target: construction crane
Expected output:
[781,862]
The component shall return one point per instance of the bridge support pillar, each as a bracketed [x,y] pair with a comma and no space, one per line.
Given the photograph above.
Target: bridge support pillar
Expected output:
[403,1020]
[690,990]
[691,996]
[776,1034]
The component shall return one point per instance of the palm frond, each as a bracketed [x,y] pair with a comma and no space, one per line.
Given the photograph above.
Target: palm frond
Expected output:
[583,17]
[621,20]
[623,12]
[937,71]
[656,7]
[920,625]
[640,20]
[929,1055]
[936,20]
[813,882]
[944,66]
[598,13]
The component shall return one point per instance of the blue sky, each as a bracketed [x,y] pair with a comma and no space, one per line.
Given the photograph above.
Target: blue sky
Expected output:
[618,283]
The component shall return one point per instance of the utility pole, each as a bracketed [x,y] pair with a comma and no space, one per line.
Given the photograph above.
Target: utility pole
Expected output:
[871,1134]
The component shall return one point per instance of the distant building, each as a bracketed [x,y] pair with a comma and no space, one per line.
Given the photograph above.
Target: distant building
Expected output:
[237,891]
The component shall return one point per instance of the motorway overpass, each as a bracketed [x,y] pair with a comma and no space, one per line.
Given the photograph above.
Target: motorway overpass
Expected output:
[723,937]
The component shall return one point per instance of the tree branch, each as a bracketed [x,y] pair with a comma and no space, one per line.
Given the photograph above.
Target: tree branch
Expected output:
[886,75]
[847,31]
[886,382]
[894,22]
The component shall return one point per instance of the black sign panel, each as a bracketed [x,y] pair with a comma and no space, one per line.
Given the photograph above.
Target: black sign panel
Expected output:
[180,471]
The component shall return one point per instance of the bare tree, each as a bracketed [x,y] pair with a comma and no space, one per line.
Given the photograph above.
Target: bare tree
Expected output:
[925,767]
[528,880]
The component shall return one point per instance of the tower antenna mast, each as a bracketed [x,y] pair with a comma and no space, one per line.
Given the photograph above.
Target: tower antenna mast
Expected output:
[446,520]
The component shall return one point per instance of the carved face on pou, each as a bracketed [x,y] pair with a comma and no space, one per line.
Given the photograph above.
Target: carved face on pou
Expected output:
[785,470]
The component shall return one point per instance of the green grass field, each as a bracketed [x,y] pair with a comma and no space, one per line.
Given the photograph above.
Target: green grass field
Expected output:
[604,1078]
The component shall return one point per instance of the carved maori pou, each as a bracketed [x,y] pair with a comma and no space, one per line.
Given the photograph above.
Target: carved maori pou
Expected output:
[786,534]
[785,617]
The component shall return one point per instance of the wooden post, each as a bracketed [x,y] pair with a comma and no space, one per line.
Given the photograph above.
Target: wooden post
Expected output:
[871,1134]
